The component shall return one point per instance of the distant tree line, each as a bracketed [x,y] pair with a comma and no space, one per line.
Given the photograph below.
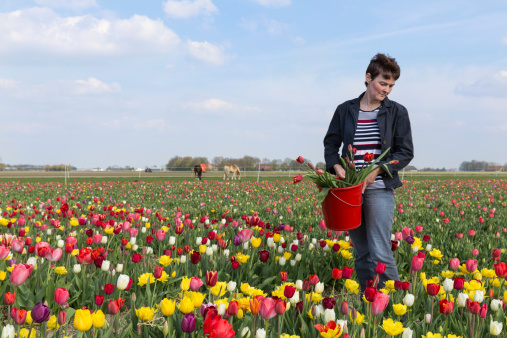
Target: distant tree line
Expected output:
[244,163]
[481,166]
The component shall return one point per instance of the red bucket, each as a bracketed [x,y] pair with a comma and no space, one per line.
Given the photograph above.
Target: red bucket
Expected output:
[342,207]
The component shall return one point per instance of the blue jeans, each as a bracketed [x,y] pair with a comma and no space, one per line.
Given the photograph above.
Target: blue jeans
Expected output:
[372,240]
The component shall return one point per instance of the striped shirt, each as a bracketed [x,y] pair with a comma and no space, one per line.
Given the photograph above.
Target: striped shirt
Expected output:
[367,140]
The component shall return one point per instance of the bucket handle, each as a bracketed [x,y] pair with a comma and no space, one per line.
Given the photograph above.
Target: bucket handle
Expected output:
[352,205]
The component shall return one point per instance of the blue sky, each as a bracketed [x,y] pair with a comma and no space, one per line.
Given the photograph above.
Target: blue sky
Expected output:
[96,83]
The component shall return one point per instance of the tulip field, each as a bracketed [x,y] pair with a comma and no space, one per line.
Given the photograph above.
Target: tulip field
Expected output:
[245,259]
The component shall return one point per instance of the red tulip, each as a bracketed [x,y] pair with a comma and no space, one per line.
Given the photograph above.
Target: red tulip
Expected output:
[108,289]
[416,263]
[62,318]
[300,159]
[496,254]
[445,307]
[473,307]
[20,273]
[370,294]
[432,289]
[289,291]
[61,296]
[459,283]
[296,179]
[501,269]
[99,299]
[113,307]
[9,298]
[337,273]
[313,279]
[263,256]
[157,273]
[380,268]
[136,258]
[195,257]
[42,248]
[280,307]
[347,272]
[19,316]
[211,278]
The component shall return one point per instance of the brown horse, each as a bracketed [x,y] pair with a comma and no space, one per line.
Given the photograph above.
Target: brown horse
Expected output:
[232,168]
[197,171]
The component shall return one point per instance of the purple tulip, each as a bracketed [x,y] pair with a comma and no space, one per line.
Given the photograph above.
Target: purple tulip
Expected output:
[237,240]
[281,226]
[410,239]
[188,323]
[12,262]
[40,313]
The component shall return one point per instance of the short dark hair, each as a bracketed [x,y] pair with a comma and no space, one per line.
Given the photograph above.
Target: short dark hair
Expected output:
[382,64]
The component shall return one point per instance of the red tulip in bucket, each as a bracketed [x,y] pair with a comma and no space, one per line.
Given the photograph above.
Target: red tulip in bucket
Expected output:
[342,207]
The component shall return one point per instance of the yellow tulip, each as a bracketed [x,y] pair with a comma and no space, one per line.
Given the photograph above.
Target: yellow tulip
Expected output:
[185,284]
[165,260]
[28,318]
[400,309]
[2,275]
[145,313]
[99,319]
[256,242]
[24,333]
[83,320]
[186,305]
[197,299]
[167,307]
[392,328]
[52,323]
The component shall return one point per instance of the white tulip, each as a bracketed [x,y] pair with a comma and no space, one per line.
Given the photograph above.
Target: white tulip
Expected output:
[58,237]
[409,300]
[214,247]
[428,318]
[122,282]
[245,332]
[428,247]
[77,268]
[347,238]
[496,304]
[311,246]
[183,259]
[223,221]
[462,299]
[282,261]
[292,262]
[132,240]
[245,245]
[61,243]
[226,252]
[209,251]
[299,284]
[407,333]
[295,298]
[319,288]
[33,261]
[49,232]
[393,237]
[415,249]
[270,242]
[448,285]
[318,309]
[105,265]
[478,296]
[495,328]
[298,257]
[329,315]
[135,247]
[104,240]
[343,325]
[198,241]
[282,240]
[261,333]
[119,267]
[221,309]
[314,240]
[231,286]
[280,250]
[172,240]
[206,221]
[8,331]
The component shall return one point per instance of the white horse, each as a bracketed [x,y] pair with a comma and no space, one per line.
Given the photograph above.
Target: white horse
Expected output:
[232,168]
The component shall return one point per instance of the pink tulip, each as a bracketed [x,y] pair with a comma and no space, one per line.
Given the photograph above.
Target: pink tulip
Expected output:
[417,263]
[4,252]
[475,252]
[125,226]
[177,222]
[136,217]
[20,273]
[380,303]
[471,233]
[195,283]
[234,224]
[81,220]
[418,228]
[267,308]
[55,255]
[471,265]
[406,231]
[133,232]
[398,236]
[71,240]
[322,225]
[160,235]
[454,263]
[21,222]
[17,245]
[97,238]
[245,235]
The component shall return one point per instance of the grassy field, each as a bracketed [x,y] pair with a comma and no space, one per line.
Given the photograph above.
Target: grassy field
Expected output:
[85,176]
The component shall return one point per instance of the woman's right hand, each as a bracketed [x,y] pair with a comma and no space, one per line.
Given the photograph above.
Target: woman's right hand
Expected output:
[340,172]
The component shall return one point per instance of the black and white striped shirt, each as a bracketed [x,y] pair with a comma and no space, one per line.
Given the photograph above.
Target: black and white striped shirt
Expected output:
[367,140]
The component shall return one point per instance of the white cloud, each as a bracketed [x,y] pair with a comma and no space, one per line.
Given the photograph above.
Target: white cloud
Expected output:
[9,84]
[299,40]
[219,107]
[206,52]
[493,86]
[73,4]
[186,8]
[271,26]
[273,3]
[43,31]
[94,86]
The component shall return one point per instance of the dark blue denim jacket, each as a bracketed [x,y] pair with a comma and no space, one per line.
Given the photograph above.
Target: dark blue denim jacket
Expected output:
[395,133]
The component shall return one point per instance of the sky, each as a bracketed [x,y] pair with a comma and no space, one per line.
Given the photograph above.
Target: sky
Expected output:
[96,83]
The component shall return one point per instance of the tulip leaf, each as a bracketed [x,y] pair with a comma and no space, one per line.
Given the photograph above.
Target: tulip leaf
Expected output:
[109,332]
[267,281]
[322,195]
[50,292]
[70,312]
[40,294]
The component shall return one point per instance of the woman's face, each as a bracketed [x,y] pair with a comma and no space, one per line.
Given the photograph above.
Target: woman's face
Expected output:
[379,87]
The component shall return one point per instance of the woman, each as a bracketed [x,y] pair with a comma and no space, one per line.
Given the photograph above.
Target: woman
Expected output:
[373,123]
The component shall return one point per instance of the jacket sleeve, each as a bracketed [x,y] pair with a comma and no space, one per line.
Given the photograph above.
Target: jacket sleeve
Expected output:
[402,148]
[333,141]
